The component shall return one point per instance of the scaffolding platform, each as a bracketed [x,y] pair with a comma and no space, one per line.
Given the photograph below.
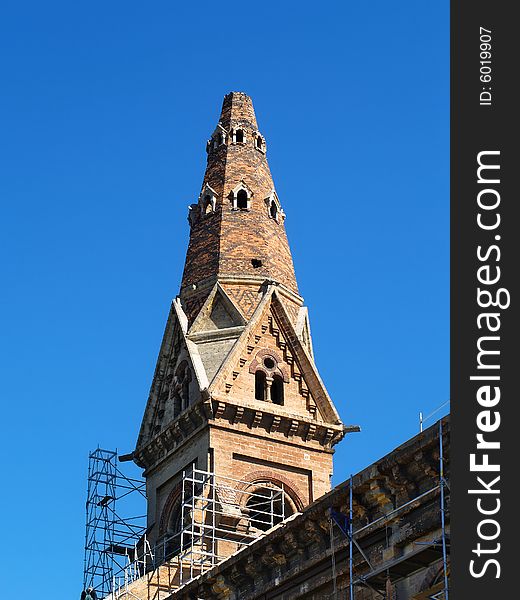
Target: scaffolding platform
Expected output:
[216,517]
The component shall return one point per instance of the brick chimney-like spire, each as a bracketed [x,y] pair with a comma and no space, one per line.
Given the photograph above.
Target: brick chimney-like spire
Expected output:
[237,226]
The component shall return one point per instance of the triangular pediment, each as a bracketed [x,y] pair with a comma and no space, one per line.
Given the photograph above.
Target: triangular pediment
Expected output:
[217,312]
[216,329]
[271,344]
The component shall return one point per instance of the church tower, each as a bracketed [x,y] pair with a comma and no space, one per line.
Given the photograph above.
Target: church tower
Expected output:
[236,391]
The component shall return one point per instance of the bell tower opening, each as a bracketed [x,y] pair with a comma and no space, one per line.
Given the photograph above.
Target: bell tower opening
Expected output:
[242,200]
[260,385]
[277,390]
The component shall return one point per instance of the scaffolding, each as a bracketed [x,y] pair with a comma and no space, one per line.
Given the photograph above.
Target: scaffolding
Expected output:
[111,541]
[346,527]
[214,517]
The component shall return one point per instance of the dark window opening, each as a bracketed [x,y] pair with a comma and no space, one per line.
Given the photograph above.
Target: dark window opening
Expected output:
[267,507]
[185,394]
[256,262]
[277,390]
[242,199]
[208,206]
[273,210]
[260,385]
[259,142]
[268,362]
[177,405]
[220,138]
[239,136]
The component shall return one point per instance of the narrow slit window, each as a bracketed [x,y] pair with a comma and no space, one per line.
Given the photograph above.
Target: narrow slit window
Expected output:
[242,200]
[259,385]
[277,390]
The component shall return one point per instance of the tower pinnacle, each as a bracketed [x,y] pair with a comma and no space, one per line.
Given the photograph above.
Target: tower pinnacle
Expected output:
[237,225]
[237,107]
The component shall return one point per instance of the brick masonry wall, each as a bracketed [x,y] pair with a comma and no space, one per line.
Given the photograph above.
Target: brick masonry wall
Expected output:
[249,457]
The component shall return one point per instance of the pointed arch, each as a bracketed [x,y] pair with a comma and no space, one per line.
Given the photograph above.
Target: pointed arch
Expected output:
[241,197]
[238,134]
[207,200]
[274,208]
[259,142]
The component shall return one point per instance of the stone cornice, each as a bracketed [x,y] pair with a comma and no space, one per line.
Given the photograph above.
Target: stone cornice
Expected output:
[262,416]
[273,418]
[216,334]
[177,433]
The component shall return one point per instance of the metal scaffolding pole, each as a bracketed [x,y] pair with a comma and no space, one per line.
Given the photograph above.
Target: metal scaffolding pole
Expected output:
[213,510]
[443,524]
[110,540]
[351,541]
[351,534]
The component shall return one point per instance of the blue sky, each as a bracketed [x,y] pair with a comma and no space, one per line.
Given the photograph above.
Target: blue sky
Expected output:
[104,112]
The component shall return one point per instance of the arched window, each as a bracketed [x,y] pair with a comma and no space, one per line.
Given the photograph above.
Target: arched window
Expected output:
[185,394]
[177,405]
[260,385]
[273,210]
[267,506]
[172,542]
[239,136]
[242,200]
[175,536]
[277,390]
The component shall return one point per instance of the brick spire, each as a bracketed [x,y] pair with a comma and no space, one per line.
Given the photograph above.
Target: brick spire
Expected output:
[237,225]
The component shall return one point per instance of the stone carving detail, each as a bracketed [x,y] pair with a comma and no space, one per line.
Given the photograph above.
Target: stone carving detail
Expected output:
[179,393]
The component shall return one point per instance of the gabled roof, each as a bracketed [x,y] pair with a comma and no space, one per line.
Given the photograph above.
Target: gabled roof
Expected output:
[271,301]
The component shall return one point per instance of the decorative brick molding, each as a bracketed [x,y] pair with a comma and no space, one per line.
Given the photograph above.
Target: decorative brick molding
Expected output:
[257,364]
[269,475]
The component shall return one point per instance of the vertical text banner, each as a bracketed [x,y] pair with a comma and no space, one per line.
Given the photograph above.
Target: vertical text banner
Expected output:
[485,268]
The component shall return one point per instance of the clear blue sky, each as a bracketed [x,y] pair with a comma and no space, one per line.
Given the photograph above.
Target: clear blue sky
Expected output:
[104,114]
